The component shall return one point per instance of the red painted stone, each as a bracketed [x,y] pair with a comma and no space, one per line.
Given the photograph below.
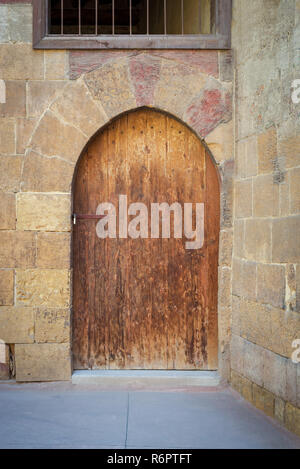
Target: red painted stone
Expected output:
[207,112]
[144,71]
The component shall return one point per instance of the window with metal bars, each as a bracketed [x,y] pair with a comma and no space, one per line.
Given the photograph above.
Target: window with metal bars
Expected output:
[132,24]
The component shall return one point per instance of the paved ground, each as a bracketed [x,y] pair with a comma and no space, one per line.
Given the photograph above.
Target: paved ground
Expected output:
[72,416]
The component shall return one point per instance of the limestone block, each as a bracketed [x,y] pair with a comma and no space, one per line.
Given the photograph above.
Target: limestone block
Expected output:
[7,211]
[56,66]
[6,288]
[43,212]
[111,85]
[226,246]
[47,287]
[285,241]
[243,198]
[16,325]
[22,62]
[43,362]
[76,96]
[263,400]
[53,251]
[292,418]
[42,174]
[7,135]
[267,150]
[17,249]
[24,130]
[10,173]
[52,325]
[265,196]
[41,94]
[244,279]
[15,104]
[295,190]
[271,284]
[55,138]
[275,374]
[258,240]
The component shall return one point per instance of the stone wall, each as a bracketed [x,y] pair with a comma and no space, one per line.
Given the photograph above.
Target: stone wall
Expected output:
[266,254]
[56,101]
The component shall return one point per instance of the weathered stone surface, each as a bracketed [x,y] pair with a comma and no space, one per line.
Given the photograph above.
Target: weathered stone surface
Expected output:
[43,174]
[17,249]
[83,61]
[254,363]
[91,116]
[284,199]
[68,142]
[111,85]
[226,65]
[6,288]
[144,72]
[226,171]
[22,62]
[242,385]
[7,211]
[226,246]
[298,288]
[239,238]
[269,327]
[24,130]
[16,325]
[258,240]
[295,190]
[220,142]
[7,136]
[52,325]
[286,235]
[275,373]
[292,418]
[15,105]
[237,354]
[224,293]
[41,94]
[56,64]
[243,198]
[265,196]
[206,112]
[4,25]
[289,149]
[263,400]
[291,381]
[47,287]
[43,362]
[43,212]
[271,284]
[267,150]
[244,279]
[177,86]
[53,251]
[20,22]
[279,410]
[291,288]
[10,173]
[205,61]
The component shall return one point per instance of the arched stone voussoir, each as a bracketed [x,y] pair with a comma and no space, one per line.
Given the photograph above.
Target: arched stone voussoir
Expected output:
[112,86]
[44,174]
[77,107]
[208,110]
[54,137]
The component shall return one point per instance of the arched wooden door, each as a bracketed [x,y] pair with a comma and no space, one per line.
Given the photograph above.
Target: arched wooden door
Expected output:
[145,303]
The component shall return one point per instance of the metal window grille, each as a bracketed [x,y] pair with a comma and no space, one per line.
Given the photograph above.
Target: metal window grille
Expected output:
[131,17]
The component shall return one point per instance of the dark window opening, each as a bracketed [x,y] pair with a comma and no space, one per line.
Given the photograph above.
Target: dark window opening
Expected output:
[131,17]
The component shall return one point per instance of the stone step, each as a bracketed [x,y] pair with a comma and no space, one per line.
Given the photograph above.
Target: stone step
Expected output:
[142,378]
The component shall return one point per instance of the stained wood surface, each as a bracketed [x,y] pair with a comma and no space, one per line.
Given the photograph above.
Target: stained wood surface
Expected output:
[145,303]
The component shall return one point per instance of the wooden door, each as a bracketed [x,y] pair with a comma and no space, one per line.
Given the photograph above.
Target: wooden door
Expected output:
[145,303]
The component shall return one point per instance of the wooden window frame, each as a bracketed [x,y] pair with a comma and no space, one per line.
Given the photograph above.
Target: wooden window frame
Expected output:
[220,40]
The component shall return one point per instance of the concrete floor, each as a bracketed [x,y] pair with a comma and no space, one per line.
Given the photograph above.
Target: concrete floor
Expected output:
[64,415]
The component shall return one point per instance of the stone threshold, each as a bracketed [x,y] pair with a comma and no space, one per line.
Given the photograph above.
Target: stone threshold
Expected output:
[147,378]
